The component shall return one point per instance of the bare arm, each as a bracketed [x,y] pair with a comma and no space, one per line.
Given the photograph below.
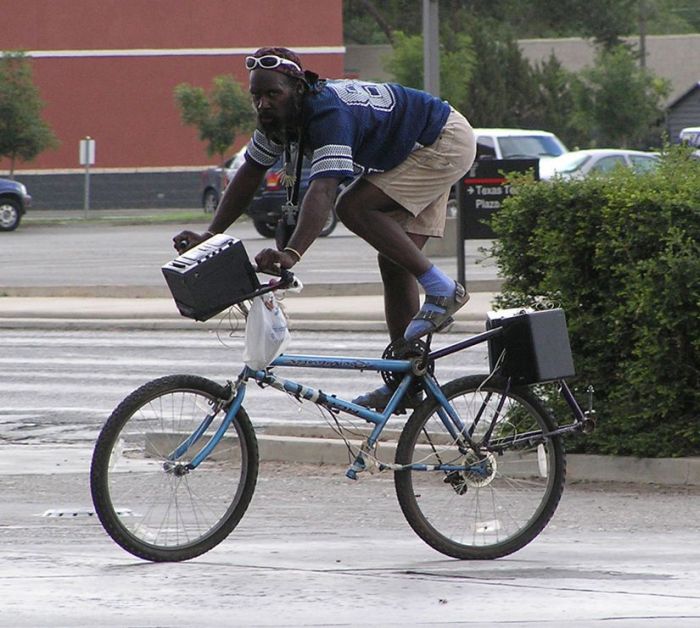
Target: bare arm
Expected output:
[237,196]
[318,202]
[233,203]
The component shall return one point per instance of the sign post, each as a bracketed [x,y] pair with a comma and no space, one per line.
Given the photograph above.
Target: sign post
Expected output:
[480,194]
[87,159]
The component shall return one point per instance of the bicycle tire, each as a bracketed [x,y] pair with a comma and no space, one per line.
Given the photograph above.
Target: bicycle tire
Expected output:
[149,503]
[504,506]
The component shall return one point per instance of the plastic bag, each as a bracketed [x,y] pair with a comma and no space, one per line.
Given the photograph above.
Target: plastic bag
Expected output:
[266,332]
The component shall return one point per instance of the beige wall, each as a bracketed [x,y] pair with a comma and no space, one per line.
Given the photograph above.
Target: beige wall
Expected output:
[674,57]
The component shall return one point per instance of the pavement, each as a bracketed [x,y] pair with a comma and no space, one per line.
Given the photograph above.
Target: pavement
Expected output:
[315,309]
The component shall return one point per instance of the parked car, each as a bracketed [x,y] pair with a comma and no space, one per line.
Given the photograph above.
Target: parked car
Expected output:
[691,136]
[517,144]
[580,163]
[266,206]
[215,180]
[14,201]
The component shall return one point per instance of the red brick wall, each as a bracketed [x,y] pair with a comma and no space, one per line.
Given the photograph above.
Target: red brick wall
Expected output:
[126,101]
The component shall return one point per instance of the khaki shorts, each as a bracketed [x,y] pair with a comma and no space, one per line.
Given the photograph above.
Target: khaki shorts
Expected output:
[421,184]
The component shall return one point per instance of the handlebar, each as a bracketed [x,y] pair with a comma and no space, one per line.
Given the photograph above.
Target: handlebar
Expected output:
[287,280]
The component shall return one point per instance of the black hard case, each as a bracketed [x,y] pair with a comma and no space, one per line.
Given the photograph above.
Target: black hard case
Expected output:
[211,277]
[536,345]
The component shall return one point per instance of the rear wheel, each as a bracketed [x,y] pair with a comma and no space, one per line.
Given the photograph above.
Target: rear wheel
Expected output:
[265,228]
[489,504]
[147,498]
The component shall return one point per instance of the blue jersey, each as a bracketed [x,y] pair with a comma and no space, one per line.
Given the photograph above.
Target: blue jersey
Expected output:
[351,125]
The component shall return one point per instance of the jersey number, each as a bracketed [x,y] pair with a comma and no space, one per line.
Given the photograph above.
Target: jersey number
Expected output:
[375,95]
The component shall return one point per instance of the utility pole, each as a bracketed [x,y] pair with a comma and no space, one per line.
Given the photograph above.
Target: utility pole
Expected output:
[431,47]
[643,16]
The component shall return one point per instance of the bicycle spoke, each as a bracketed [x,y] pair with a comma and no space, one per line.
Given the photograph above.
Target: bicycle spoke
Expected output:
[499,500]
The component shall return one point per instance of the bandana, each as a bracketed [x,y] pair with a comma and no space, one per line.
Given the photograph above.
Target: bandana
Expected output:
[284,53]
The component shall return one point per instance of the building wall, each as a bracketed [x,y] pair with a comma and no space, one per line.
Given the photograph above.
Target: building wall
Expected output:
[107,69]
[673,57]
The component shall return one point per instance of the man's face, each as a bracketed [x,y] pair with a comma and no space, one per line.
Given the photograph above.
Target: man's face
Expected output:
[275,99]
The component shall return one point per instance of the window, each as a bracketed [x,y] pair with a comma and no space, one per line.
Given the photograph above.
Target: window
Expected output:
[644,163]
[485,147]
[606,164]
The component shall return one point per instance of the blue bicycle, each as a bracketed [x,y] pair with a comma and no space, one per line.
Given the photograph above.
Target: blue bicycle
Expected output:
[479,466]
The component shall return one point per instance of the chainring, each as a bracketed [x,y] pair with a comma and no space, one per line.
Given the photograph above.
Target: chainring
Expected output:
[401,350]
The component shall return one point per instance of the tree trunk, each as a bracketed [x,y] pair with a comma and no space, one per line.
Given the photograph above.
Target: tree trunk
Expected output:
[379,19]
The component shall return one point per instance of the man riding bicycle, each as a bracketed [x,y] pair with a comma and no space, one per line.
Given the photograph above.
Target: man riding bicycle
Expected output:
[409,147]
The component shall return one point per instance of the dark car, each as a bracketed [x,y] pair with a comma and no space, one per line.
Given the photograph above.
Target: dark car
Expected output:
[215,180]
[266,206]
[14,201]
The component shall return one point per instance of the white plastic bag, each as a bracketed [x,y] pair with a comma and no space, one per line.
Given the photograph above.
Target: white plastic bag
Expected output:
[266,332]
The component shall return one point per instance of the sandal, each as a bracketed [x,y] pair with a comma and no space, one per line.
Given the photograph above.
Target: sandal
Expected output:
[379,398]
[438,319]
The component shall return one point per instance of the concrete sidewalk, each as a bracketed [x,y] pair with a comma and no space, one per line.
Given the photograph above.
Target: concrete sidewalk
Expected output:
[317,313]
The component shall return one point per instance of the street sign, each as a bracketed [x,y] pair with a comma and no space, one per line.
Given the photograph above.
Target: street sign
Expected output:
[87,152]
[483,190]
[87,159]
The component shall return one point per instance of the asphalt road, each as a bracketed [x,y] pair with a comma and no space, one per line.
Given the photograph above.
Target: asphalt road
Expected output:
[316,549]
[59,387]
[106,259]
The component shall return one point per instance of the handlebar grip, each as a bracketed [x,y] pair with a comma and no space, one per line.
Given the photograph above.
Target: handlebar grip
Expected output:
[287,278]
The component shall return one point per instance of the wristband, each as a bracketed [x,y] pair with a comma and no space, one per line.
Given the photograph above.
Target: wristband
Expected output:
[289,249]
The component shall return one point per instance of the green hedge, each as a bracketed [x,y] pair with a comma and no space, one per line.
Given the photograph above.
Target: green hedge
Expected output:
[621,254]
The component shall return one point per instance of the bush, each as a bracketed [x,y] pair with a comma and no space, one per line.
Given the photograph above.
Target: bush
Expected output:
[621,254]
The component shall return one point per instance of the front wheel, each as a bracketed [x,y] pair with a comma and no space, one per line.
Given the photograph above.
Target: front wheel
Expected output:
[210,200]
[488,504]
[10,214]
[147,497]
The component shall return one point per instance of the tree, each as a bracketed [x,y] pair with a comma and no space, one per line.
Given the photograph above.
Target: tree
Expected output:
[23,133]
[618,103]
[219,116]
[555,103]
[502,90]
[456,64]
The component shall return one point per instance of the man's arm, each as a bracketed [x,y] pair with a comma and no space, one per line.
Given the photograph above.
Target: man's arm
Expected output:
[236,198]
[317,203]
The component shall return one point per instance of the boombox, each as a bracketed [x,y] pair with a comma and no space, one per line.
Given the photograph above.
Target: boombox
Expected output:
[211,277]
[534,346]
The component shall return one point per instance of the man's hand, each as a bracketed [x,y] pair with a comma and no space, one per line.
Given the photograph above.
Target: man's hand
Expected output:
[272,259]
[185,240]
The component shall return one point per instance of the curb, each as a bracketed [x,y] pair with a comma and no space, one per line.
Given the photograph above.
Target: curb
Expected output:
[160,324]
[580,467]
[313,290]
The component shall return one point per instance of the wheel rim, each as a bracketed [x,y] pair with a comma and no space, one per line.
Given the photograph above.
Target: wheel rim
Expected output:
[501,498]
[158,501]
[210,202]
[8,215]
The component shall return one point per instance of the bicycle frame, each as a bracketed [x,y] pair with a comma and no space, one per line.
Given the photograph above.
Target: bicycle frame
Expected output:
[410,369]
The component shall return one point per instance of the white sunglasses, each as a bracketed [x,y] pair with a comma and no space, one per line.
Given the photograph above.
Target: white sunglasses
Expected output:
[269,62]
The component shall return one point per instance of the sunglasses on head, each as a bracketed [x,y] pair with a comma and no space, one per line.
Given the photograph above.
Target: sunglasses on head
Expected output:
[269,62]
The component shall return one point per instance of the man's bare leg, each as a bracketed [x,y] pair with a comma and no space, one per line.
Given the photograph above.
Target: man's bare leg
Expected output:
[401,294]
